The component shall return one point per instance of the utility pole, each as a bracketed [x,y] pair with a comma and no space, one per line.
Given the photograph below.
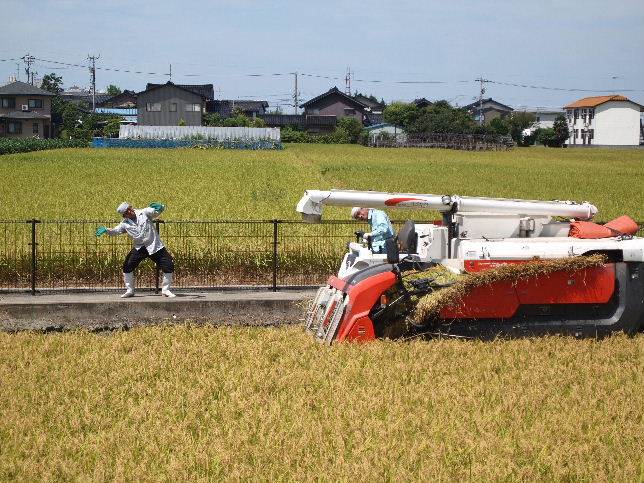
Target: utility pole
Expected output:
[28,60]
[482,82]
[92,70]
[170,73]
[33,76]
[17,71]
[296,94]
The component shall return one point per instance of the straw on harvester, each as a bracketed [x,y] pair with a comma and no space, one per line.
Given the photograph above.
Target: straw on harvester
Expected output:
[429,305]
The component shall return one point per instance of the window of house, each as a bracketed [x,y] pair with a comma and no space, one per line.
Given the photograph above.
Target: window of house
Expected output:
[35,128]
[591,114]
[538,119]
[35,103]
[14,127]
[576,114]
[591,134]
[173,107]
[349,112]
[569,114]
[9,102]
[576,131]
[193,107]
[153,106]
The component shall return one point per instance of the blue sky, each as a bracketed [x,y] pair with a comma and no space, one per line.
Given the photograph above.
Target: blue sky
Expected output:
[397,50]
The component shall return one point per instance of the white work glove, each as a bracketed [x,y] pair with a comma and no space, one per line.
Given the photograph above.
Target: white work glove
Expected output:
[366,237]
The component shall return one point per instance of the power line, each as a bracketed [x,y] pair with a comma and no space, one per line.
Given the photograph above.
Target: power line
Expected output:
[29,60]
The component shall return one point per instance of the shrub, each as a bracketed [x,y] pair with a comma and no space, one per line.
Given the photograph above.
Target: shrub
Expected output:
[25,145]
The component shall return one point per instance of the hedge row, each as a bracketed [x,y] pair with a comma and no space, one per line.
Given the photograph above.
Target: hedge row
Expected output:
[24,145]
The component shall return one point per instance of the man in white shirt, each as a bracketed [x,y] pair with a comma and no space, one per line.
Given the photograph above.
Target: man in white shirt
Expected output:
[147,243]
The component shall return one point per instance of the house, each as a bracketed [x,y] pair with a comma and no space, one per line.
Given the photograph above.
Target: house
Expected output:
[25,111]
[124,100]
[83,97]
[127,115]
[491,110]
[168,104]
[545,118]
[421,103]
[309,123]
[207,91]
[226,107]
[604,120]
[338,104]
[373,105]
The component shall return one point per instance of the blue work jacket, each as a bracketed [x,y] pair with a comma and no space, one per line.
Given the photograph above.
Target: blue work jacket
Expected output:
[381,229]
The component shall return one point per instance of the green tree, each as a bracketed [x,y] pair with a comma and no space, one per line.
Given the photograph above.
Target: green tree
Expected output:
[441,117]
[348,130]
[561,132]
[400,114]
[212,119]
[518,122]
[52,83]
[182,122]
[500,126]
[111,129]
[545,136]
[113,90]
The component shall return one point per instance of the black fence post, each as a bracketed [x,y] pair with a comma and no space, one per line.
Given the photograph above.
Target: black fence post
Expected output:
[33,244]
[275,253]
[156,269]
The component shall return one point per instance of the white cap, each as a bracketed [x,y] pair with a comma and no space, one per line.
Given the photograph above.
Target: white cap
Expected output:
[122,207]
[354,211]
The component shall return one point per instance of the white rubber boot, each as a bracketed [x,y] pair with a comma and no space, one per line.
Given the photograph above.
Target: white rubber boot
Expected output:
[128,279]
[165,288]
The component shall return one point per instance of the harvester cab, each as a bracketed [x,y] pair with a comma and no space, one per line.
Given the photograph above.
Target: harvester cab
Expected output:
[374,295]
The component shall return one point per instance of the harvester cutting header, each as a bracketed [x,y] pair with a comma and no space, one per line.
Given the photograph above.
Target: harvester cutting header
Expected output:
[584,278]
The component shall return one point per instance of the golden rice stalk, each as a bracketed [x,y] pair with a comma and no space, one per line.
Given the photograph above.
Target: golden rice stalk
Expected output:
[430,304]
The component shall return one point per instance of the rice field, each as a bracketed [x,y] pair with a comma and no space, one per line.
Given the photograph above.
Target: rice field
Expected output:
[219,184]
[212,404]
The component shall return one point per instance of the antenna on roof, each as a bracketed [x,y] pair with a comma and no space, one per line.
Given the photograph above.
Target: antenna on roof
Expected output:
[347,82]
[170,74]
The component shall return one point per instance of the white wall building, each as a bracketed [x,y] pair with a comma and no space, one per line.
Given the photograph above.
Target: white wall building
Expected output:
[546,119]
[604,120]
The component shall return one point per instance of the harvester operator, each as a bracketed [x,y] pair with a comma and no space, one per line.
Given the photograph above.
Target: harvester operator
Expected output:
[381,228]
[138,224]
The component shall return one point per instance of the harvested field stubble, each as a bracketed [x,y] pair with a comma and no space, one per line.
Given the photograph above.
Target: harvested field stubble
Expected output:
[186,403]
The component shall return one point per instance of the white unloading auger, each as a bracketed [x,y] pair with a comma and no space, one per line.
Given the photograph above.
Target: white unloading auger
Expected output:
[313,201]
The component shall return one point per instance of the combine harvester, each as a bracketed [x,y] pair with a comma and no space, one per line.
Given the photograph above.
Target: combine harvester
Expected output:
[372,293]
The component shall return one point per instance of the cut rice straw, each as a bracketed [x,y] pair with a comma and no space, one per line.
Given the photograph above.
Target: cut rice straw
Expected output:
[429,305]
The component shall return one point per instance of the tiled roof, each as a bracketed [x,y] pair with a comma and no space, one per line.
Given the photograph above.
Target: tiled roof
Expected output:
[22,88]
[489,100]
[334,90]
[241,104]
[596,101]
[204,90]
[85,96]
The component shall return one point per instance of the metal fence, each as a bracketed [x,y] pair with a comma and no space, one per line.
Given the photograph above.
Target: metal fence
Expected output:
[44,255]
[272,254]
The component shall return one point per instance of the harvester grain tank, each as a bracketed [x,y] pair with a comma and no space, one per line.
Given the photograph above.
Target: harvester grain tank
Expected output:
[369,298]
